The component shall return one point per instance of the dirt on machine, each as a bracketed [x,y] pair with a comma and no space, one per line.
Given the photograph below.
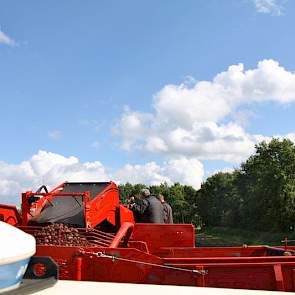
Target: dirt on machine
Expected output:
[91,236]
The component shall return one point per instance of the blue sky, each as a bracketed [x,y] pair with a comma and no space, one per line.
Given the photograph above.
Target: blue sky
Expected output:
[72,73]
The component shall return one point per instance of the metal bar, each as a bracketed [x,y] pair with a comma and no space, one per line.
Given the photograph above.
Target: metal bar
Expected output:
[101,243]
[256,264]
[124,231]
[78,268]
[200,280]
[58,187]
[279,277]
[104,233]
[225,259]
[99,239]
[24,207]
[99,235]
[55,194]
[102,255]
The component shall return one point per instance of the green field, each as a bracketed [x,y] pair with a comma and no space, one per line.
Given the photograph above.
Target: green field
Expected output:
[222,236]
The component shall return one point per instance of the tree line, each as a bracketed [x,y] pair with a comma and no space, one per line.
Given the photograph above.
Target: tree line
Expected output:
[258,195]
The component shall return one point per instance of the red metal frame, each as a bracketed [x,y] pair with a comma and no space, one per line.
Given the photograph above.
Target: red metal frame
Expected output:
[125,232]
[105,206]
[130,265]
[152,253]
[10,214]
[157,236]
[28,212]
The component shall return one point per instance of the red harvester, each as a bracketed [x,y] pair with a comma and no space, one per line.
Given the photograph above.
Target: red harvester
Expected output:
[92,237]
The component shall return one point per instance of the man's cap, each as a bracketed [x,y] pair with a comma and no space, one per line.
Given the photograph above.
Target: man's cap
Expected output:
[145,192]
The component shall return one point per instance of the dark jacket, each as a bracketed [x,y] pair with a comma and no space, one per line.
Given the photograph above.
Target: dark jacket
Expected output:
[168,217]
[149,210]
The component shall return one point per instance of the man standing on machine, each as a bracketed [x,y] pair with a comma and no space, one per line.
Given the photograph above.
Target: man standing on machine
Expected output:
[149,209]
[168,217]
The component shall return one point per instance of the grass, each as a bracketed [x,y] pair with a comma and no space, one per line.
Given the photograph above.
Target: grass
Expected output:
[222,236]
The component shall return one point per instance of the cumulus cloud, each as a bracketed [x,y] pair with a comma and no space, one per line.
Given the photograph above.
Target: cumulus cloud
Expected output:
[290,136]
[45,168]
[189,120]
[182,170]
[5,39]
[52,169]
[223,170]
[273,7]
[131,127]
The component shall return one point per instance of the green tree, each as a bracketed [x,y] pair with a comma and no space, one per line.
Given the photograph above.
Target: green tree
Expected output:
[218,201]
[178,203]
[266,184]
[128,190]
[191,206]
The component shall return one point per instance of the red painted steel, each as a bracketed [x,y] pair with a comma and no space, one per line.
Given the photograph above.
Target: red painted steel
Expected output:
[125,232]
[78,268]
[258,275]
[104,207]
[157,236]
[121,251]
[29,211]
[9,214]
[125,215]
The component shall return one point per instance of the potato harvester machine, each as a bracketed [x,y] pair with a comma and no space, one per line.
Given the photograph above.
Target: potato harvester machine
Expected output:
[92,237]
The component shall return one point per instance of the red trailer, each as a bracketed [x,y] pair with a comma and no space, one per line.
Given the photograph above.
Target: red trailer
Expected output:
[92,237]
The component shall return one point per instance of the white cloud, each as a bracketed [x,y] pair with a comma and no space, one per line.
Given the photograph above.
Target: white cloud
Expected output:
[273,7]
[5,39]
[223,170]
[45,168]
[211,141]
[52,169]
[131,127]
[189,120]
[55,134]
[182,170]
[242,117]
[290,136]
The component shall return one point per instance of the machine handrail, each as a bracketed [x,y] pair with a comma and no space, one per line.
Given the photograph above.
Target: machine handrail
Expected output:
[125,231]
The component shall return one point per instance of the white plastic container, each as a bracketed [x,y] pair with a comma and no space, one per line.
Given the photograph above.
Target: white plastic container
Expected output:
[16,249]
